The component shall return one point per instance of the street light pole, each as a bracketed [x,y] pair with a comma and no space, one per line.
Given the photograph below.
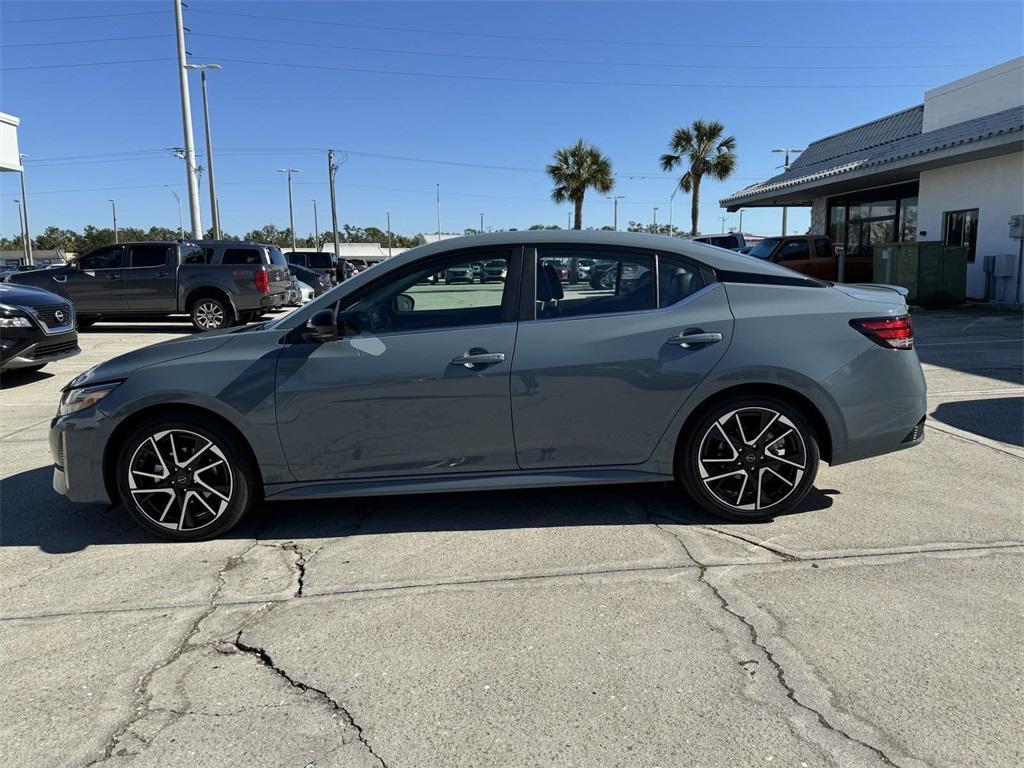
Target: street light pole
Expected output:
[291,210]
[741,221]
[186,121]
[438,212]
[388,214]
[181,223]
[785,167]
[481,223]
[568,224]
[615,210]
[24,214]
[113,210]
[671,200]
[654,225]
[316,228]
[214,212]
[722,219]
[21,223]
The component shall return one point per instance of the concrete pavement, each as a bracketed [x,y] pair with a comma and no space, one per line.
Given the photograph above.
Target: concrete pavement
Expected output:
[613,626]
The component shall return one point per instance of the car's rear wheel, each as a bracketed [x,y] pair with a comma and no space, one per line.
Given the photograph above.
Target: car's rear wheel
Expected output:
[209,314]
[750,458]
[185,479]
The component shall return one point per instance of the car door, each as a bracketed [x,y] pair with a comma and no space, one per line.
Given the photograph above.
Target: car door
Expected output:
[150,283]
[601,370]
[417,385]
[97,285]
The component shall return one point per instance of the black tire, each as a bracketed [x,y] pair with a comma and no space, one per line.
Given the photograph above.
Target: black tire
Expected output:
[447,281]
[774,466]
[198,513]
[210,314]
[85,322]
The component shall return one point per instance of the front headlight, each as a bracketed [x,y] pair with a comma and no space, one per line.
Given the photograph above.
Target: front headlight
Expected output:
[74,400]
[15,322]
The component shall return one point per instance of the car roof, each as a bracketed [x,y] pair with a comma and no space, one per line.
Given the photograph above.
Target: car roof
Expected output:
[710,255]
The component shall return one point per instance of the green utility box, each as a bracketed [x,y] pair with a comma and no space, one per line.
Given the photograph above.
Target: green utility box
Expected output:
[935,274]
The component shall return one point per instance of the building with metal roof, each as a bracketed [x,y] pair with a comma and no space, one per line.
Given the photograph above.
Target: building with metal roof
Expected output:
[950,169]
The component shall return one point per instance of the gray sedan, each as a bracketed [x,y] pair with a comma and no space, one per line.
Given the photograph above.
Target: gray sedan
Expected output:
[731,376]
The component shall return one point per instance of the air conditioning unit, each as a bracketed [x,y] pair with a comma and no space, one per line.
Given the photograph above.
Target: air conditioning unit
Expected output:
[1005,265]
[1017,227]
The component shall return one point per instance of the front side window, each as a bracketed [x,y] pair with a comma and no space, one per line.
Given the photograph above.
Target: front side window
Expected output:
[961,228]
[440,295]
[615,283]
[241,256]
[794,250]
[110,257]
[149,255]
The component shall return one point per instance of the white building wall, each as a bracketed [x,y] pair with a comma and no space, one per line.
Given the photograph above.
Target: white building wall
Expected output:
[995,186]
[9,158]
[983,93]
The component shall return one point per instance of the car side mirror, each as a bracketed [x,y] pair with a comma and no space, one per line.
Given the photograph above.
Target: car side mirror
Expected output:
[323,326]
[404,303]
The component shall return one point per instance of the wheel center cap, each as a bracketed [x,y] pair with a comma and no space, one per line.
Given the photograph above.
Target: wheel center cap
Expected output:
[181,479]
[750,458]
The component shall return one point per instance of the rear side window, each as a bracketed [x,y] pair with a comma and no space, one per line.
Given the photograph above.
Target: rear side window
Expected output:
[320,261]
[277,257]
[823,247]
[149,255]
[614,283]
[296,258]
[242,256]
[677,279]
[194,254]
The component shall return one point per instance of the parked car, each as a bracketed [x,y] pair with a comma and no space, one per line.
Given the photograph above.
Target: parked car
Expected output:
[294,293]
[734,241]
[729,374]
[460,273]
[217,283]
[37,327]
[319,262]
[601,275]
[813,255]
[494,270]
[317,281]
[306,293]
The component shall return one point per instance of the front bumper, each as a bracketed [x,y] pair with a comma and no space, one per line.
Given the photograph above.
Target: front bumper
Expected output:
[77,444]
[37,350]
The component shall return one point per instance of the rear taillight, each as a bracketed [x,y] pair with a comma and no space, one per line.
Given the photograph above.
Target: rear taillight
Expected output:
[890,332]
[262,281]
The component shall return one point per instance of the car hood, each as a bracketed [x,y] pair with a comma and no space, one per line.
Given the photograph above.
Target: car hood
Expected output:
[27,295]
[121,367]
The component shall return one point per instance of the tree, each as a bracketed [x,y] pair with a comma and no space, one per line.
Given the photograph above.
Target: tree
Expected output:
[701,150]
[576,169]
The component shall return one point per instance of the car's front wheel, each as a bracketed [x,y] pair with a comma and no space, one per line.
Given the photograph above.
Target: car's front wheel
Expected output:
[749,458]
[185,479]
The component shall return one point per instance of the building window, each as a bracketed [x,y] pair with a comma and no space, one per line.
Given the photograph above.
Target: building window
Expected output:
[908,219]
[961,228]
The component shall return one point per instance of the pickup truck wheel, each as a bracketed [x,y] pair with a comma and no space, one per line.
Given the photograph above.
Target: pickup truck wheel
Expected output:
[209,314]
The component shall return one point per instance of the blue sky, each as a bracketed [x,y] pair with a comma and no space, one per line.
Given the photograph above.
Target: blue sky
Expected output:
[625,75]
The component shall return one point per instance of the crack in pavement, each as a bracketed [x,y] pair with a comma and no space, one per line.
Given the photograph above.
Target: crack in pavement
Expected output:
[755,640]
[266,660]
[784,554]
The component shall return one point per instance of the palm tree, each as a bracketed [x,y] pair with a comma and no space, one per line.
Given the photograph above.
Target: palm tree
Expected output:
[575,170]
[702,150]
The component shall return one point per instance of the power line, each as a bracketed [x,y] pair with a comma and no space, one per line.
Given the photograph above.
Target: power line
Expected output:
[582,62]
[479,34]
[79,40]
[550,81]
[84,64]
[81,18]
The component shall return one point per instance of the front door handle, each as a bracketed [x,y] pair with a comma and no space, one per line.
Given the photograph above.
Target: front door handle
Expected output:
[114,277]
[687,340]
[478,357]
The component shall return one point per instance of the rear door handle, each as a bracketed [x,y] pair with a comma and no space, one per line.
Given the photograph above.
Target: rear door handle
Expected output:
[478,357]
[162,274]
[687,340]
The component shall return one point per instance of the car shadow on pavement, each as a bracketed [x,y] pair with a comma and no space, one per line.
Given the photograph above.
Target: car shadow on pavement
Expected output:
[33,515]
[999,418]
[16,378]
[141,327]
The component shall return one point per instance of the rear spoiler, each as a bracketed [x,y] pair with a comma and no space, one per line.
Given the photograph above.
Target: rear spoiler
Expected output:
[904,292]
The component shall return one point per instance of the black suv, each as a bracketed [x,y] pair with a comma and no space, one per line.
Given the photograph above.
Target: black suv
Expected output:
[36,327]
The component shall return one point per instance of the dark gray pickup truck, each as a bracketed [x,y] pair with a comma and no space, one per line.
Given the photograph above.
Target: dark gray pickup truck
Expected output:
[217,283]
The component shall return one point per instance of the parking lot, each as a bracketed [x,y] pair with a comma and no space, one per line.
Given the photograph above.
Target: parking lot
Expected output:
[613,626]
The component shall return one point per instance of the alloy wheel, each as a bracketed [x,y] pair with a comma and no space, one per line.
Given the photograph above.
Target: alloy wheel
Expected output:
[180,480]
[209,315]
[752,458]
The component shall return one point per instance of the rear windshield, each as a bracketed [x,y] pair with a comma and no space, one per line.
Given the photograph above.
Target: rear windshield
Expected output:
[320,261]
[764,248]
[276,257]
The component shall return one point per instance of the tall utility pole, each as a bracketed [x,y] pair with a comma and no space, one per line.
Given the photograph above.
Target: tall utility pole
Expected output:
[568,224]
[316,228]
[186,122]
[654,225]
[331,168]
[481,223]
[291,210]
[439,212]
[388,214]
[722,219]
[785,167]
[214,212]
[24,214]
[615,208]
[181,223]
[671,200]
[21,223]
[113,210]
[741,221]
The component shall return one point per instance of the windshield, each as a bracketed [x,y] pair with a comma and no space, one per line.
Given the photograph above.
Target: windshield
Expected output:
[764,248]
